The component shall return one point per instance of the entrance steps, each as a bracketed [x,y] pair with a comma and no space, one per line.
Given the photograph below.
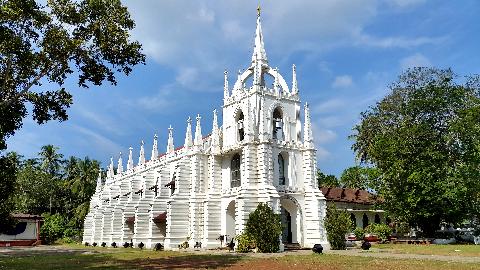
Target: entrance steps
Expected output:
[292,246]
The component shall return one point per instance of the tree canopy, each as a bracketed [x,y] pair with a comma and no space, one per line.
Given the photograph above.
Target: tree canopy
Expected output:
[47,44]
[63,190]
[424,138]
[327,180]
[40,47]
[360,177]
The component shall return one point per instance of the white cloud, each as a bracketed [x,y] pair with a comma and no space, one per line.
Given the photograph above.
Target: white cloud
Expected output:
[342,81]
[406,3]
[332,121]
[187,76]
[322,153]
[329,106]
[203,15]
[325,135]
[98,141]
[205,37]
[363,39]
[158,103]
[415,60]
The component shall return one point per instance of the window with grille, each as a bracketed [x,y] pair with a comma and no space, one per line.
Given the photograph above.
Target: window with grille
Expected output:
[281,170]
[235,171]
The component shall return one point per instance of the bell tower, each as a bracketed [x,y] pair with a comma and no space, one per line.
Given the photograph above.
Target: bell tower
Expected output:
[265,158]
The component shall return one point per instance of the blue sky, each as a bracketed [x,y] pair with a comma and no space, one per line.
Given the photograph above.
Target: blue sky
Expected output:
[346,53]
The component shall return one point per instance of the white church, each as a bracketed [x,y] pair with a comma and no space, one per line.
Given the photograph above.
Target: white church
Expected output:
[208,187]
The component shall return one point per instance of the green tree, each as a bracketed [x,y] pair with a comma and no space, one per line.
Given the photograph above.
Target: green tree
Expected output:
[53,227]
[51,160]
[327,180]
[265,228]
[82,186]
[35,189]
[360,177]
[8,169]
[424,138]
[47,44]
[337,224]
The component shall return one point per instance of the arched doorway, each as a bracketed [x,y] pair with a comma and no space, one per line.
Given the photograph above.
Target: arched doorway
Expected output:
[365,220]
[291,218]
[354,219]
[377,219]
[230,220]
[286,219]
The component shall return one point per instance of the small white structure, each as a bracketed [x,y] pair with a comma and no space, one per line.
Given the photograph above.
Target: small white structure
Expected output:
[25,233]
[210,185]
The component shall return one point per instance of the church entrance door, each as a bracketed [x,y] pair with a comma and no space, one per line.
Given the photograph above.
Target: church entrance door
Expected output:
[230,220]
[290,216]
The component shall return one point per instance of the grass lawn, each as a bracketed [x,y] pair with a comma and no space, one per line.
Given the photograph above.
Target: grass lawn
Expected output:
[77,257]
[449,250]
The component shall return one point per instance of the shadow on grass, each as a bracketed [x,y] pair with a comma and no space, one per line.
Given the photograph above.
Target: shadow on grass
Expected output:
[186,262]
[99,259]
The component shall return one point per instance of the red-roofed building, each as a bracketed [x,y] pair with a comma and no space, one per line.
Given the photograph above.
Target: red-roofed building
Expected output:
[358,202]
[25,233]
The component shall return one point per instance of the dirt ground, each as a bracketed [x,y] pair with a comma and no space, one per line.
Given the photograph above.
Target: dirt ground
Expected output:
[66,257]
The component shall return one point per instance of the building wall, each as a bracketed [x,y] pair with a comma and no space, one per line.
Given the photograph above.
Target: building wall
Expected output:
[30,232]
[204,205]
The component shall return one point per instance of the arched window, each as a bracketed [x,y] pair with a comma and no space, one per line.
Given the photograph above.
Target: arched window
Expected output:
[235,171]
[354,219]
[240,126]
[281,170]
[365,221]
[388,221]
[277,124]
[377,219]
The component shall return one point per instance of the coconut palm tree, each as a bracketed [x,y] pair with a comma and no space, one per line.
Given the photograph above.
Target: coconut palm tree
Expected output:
[51,160]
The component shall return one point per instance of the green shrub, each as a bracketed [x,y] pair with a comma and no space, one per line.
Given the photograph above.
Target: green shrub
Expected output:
[245,243]
[359,233]
[264,228]
[52,228]
[383,231]
[402,228]
[337,224]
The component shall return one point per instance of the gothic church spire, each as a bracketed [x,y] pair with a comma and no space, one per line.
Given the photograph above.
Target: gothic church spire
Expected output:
[259,53]
[170,146]
[155,148]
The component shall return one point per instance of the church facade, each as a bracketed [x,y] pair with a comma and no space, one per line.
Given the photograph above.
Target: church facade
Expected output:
[262,152]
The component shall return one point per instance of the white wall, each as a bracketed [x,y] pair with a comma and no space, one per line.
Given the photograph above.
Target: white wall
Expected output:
[29,233]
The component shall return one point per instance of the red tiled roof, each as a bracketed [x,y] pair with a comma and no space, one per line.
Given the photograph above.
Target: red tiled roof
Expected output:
[348,195]
[26,216]
[161,217]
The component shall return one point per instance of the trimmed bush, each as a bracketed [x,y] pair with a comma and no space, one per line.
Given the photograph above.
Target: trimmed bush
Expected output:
[359,233]
[382,231]
[245,243]
[52,228]
[264,228]
[337,224]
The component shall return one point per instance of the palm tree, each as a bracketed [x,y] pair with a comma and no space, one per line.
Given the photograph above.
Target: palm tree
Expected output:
[82,186]
[51,160]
